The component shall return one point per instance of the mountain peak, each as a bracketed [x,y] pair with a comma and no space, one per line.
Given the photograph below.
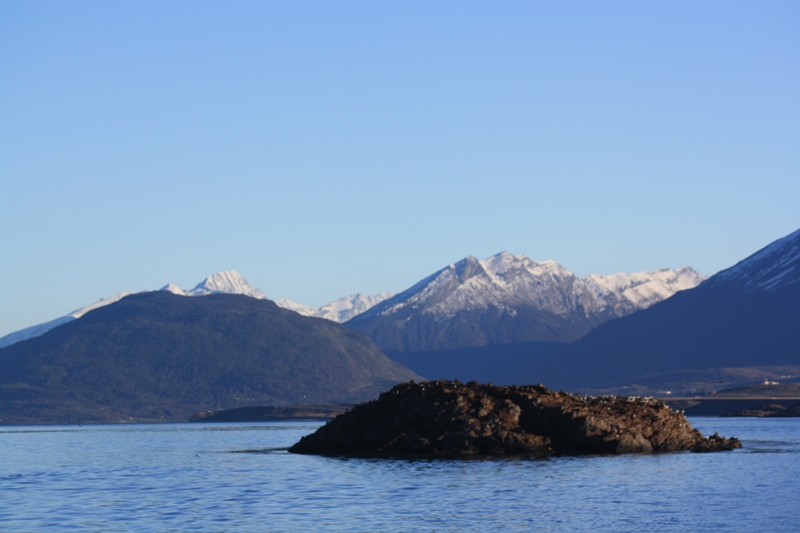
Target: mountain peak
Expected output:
[174,289]
[505,258]
[228,281]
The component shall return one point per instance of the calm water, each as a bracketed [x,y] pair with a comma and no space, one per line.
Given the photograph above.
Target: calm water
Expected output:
[238,477]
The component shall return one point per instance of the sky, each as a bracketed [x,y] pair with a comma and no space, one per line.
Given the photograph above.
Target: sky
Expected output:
[327,148]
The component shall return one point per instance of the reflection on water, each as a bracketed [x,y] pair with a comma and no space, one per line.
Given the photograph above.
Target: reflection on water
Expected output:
[239,477]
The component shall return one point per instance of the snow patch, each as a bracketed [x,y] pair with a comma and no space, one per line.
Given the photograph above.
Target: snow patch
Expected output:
[340,310]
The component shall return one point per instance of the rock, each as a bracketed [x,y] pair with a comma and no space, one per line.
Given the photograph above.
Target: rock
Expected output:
[716,443]
[451,419]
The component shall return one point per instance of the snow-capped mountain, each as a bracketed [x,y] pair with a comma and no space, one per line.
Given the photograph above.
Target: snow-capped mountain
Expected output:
[340,310]
[510,298]
[507,281]
[773,267]
[229,281]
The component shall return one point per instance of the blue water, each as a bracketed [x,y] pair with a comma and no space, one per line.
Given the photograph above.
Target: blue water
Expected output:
[239,478]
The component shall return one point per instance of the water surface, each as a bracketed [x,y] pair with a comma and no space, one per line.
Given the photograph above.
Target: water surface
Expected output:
[239,477]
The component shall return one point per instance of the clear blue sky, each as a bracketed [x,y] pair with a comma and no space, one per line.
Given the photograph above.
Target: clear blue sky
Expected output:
[326,148]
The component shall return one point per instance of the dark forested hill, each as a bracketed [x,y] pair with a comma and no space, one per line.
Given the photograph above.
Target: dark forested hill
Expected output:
[159,356]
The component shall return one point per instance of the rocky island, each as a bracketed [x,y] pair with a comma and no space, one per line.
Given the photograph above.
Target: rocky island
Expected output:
[453,419]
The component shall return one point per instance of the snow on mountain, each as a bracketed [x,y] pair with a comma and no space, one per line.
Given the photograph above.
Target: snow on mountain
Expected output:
[41,329]
[340,310]
[99,303]
[174,289]
[507,299]
[631,292]
[304,310]
[346,308]
[229,281]
[33,331]
[774,266]
[508,281]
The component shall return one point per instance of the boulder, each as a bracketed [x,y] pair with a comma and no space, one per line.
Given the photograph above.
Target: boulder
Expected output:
[452,419]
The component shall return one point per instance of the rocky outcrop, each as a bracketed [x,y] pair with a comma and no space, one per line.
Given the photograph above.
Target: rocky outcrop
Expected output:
[452,419]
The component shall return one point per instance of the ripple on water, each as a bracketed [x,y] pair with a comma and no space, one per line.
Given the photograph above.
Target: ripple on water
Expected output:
[202,477]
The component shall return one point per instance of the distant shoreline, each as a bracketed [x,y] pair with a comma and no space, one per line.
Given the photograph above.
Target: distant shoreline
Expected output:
[272,413]
[713,406]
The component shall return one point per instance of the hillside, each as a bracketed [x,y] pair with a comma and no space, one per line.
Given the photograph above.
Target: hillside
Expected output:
[745,317]
[163,357]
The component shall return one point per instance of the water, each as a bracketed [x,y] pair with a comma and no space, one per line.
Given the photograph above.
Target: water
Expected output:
[239,478]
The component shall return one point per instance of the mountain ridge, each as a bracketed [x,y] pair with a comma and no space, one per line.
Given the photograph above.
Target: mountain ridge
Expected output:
[348,307]
[340,310]
[510,298]
[738,327]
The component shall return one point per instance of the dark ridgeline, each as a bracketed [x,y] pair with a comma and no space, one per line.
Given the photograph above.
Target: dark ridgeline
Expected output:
[162,357]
